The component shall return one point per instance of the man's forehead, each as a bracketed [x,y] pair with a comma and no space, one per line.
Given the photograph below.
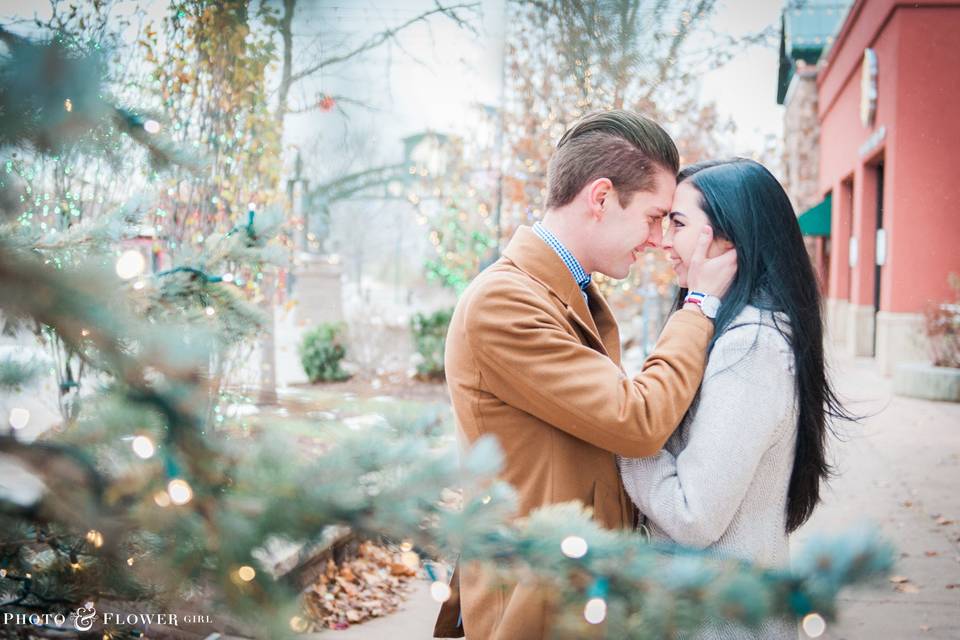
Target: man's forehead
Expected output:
[666,185]
[658,211]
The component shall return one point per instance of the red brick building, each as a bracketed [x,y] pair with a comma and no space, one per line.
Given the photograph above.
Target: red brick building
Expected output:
[888,104]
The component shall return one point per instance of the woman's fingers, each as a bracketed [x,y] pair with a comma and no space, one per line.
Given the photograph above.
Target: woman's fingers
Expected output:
[711,275]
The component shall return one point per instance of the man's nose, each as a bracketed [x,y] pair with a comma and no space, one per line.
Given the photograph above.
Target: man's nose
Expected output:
[667,242]
[655,239]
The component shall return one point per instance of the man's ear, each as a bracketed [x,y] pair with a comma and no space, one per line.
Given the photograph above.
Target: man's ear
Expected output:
[598,194]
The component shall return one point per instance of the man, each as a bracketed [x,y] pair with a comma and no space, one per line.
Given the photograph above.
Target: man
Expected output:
[533,351]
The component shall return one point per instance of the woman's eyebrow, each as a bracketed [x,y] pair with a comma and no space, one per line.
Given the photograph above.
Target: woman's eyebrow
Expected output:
[674,214]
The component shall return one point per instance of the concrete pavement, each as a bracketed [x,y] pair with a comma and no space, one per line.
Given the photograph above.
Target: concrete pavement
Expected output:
[900,470]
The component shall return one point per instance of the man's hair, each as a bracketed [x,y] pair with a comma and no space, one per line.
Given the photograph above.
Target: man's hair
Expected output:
[622,146]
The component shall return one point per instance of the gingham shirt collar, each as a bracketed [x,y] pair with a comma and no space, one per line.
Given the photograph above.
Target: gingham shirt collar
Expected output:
[582,277]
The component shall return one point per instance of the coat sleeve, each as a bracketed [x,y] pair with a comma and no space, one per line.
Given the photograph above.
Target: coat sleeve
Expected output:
[530,360]
[746,401]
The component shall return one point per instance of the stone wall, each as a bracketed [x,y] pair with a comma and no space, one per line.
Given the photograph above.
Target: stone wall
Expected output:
[801,133]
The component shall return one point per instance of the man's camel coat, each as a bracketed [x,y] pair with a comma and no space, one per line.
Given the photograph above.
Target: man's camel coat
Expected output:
[528,362]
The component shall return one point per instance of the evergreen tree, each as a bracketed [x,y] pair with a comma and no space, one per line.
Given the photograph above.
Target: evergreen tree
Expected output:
[150,497]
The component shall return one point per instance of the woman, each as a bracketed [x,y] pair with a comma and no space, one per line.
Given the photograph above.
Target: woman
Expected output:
[744,468]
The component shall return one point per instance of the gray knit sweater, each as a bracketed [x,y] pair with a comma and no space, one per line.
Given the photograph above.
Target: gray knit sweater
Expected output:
[721,481]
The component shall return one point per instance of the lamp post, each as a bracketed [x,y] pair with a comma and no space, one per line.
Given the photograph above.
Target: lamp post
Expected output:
[298,206]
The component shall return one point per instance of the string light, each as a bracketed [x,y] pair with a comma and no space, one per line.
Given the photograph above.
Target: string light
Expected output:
[298,624]
[210,311]
[814,625]
[151,126]
[179,491]
[68,105]
[19,417]
[246,573]
[574,547]
[143,447]
[595,611]
[95,538]
[440,591]
[130,264]
[161,498]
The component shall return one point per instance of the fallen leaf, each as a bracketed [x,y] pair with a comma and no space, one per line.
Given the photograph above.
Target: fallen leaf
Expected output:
[359,589]
[400,569]
[899,579]
[907,587]
[347,587]
[953,586]
[931,554]
[924,627]
[943,521]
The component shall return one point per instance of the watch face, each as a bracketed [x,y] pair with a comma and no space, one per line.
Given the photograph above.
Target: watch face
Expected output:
[710,306]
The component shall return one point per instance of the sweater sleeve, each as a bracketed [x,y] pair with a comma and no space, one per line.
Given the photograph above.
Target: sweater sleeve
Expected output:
[746,400]
[528,359]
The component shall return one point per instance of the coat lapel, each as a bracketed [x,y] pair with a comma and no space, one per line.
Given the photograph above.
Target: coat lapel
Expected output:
[605,322]
[532,255]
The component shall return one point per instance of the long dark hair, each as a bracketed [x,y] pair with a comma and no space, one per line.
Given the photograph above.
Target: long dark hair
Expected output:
[747,206]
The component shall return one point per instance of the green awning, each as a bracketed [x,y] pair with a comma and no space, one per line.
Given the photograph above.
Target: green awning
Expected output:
[815,221]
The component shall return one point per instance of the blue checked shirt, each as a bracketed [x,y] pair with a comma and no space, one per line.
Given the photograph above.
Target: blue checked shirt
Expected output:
[581,276]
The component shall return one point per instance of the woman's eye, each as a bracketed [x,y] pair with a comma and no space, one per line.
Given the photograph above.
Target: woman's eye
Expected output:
[676,223]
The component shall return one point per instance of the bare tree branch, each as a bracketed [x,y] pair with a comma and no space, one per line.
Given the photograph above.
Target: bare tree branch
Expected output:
[286,32]
[337,100]
[388,34]
[704,7]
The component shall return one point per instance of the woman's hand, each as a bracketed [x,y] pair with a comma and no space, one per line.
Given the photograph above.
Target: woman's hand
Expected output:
[711,276]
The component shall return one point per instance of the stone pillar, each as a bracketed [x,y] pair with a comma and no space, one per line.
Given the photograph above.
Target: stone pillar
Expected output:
[900,339]
[318,290]
[861,319]
[838,285]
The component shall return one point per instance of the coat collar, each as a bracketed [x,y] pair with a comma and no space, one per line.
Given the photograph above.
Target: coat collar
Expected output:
[537,259]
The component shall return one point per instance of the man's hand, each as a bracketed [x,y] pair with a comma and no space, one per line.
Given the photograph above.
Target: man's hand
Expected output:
[711,276]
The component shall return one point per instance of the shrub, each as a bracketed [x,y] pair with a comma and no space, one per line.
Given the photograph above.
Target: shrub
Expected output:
[430,337]
[943,329]
[321,352]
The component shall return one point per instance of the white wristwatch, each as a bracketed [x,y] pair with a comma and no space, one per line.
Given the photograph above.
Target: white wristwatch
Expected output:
[709,305]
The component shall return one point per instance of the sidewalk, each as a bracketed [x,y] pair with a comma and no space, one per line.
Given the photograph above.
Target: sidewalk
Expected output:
[899,470]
